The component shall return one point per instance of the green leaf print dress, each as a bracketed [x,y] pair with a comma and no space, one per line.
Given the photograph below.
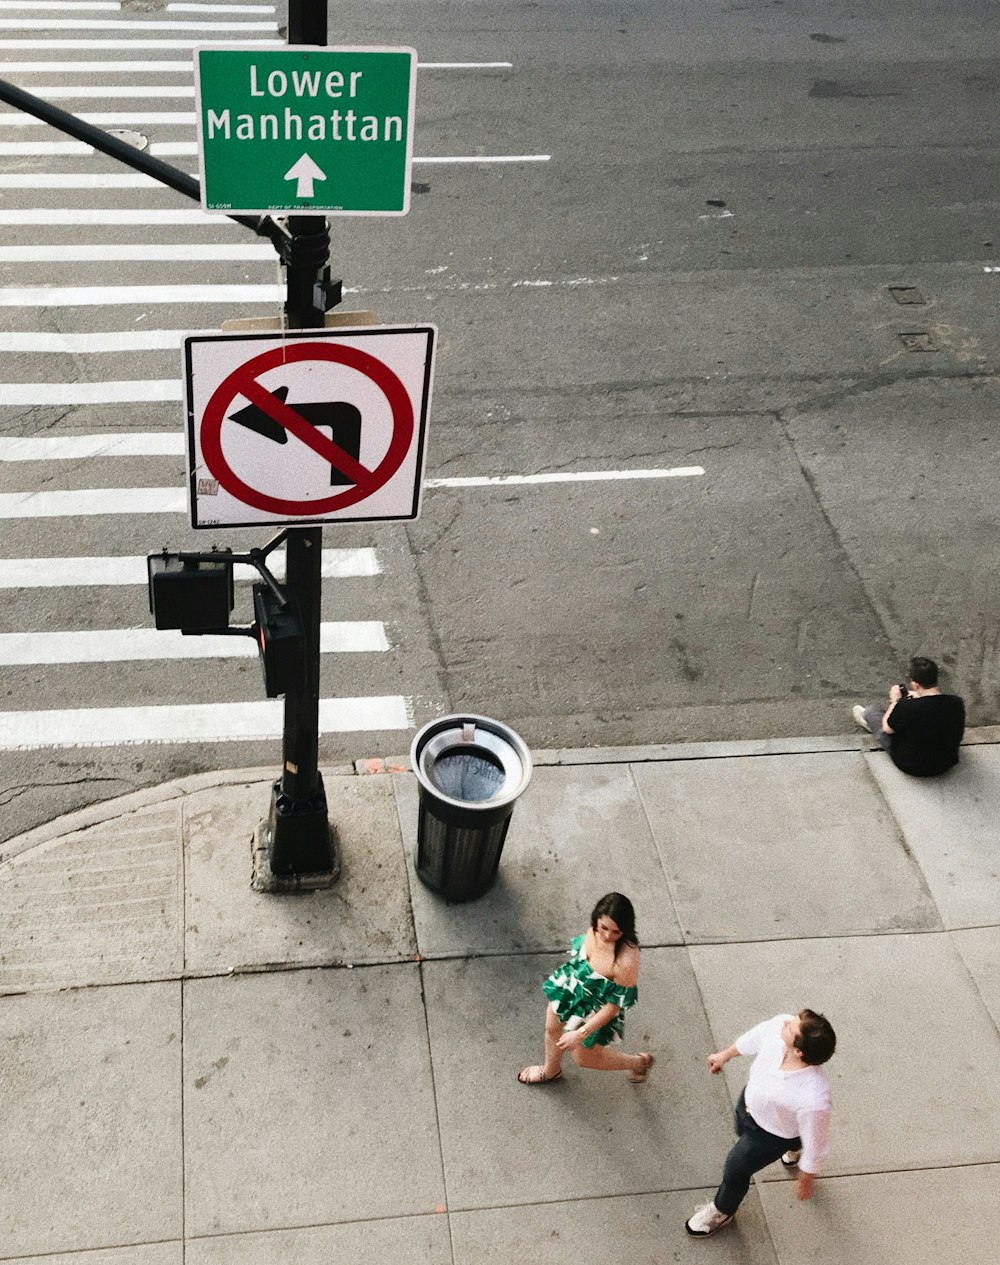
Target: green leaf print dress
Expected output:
[578,991]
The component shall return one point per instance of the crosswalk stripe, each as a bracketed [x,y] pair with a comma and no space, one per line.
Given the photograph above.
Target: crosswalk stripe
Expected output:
[90,501]
[191,722]
[169,118]
[123,24]
[177,252]
[64,6]
[133,45]
[92,296]
[91,68]
[86,91]
[78,180]
[38,394]
[166,443]
[113,217]
[54,573]
[167,67]
[43,149]
[121,645]
[40,341]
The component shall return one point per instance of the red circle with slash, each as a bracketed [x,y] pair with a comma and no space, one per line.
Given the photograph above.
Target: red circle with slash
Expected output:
[244,382]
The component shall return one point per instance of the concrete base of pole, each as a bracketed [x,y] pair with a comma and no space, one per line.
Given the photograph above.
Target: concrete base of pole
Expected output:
[294,849]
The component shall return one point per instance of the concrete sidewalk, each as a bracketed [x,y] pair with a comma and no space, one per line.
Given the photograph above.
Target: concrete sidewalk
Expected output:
[196,1073]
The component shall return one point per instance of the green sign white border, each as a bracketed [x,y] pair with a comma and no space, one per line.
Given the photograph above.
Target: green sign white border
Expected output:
[267,48]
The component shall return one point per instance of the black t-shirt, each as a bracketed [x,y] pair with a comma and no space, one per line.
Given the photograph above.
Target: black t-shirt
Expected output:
[926,733]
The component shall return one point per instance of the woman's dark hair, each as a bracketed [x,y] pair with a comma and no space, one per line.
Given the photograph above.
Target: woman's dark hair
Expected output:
[619,909]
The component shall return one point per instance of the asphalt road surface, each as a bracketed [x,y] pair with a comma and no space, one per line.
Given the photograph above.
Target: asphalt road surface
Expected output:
[717,283]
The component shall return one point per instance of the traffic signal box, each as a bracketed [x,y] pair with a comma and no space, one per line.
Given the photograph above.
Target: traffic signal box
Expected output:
[193,596]
[280,639]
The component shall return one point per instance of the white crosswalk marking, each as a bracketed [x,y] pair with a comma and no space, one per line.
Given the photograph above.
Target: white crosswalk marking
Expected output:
[75,447]
[191,722]
[88,56]
[93,296]
[90,501]
[122,645]
[180,252]
[36,394]
[88,572]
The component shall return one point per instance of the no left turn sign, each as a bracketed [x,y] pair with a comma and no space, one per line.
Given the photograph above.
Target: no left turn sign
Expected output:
[308,426]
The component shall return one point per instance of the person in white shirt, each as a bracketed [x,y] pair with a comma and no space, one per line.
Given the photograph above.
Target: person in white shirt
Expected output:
[784,1112]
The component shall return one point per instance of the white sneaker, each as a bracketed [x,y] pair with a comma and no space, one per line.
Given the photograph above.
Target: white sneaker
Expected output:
[706,1221]
[790,1159]
[858,712]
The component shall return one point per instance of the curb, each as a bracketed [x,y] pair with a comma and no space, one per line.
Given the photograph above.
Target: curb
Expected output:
[564,757]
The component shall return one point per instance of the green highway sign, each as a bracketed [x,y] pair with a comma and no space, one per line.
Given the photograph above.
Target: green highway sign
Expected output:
[306,128]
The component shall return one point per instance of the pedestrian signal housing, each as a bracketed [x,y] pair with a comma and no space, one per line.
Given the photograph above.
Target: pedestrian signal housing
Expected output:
[280,640]
[192,596]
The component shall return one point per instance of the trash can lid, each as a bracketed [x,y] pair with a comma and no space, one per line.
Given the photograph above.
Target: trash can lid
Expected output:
[468,760]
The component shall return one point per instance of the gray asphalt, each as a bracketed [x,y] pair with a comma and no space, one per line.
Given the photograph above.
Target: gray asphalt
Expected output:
[601,312]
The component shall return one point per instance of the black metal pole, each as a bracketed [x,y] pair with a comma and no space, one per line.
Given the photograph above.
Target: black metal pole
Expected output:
[300,839]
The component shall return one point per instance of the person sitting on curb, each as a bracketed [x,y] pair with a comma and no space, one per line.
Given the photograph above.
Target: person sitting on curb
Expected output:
[921,728]
[783,1113]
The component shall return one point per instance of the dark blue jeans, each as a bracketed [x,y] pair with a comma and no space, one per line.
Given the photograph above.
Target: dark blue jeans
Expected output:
[754,1150]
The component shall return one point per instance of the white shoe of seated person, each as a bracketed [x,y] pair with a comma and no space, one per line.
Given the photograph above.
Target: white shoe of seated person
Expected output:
[858,712]
[790,1159]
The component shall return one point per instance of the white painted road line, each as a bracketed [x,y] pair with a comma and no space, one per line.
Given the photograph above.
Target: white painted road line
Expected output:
[78,180]
[65,573]
[170,118]
[132,645]
[42,394]
[494,158]
[87,296]
[574,476]
[37,341]
[115,68]
[123,24]
[91,501]
[220,8]
[118,68]
[191,722]
[188,148]
[43,149]
[133,45]
[64,6]
[84,91]
[112,217]
[465,65]
[172,444]
[117,180]
[78,447]
[96,501]
[178,252]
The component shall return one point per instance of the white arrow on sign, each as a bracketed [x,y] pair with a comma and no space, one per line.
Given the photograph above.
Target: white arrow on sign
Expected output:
[305,172]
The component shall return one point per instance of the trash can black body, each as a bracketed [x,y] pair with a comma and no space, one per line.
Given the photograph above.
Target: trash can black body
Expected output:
[470,771]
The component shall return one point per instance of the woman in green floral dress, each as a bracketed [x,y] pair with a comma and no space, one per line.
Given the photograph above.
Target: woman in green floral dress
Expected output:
[588,995]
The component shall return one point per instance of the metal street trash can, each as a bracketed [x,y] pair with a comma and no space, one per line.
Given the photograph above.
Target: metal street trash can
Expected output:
[470,770]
